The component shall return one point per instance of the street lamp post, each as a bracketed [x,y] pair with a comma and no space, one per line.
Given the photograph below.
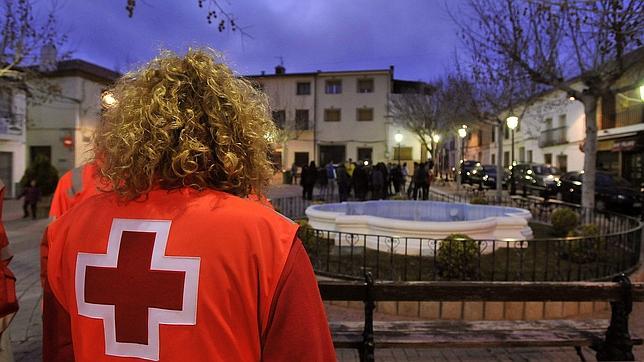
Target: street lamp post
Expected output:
[398,137]
[435,137]
[512,122]
[462,133]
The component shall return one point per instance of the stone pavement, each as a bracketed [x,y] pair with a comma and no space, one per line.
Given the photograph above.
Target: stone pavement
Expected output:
[26,329]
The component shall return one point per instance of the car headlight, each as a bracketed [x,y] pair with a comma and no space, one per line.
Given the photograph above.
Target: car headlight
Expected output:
[485,177]
[621,197]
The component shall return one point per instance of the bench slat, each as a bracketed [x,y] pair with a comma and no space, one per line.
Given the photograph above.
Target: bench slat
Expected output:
[490,291]
[542,333]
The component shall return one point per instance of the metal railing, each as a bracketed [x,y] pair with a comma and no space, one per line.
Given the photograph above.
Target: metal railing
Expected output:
[553,136]
[340,254]
[421,259]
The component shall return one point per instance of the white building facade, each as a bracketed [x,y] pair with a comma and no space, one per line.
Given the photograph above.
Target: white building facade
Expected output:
[60,128]
[553,131]
[335,116]
[13,137]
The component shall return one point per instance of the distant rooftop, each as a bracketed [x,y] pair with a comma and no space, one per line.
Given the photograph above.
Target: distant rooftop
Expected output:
[82,68]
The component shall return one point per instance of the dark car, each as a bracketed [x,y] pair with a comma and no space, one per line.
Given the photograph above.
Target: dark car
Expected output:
[611,192]
[489,177]
[469,171]
[535,179]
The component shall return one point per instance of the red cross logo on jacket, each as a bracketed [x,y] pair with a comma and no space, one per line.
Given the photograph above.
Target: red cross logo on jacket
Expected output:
[135,287]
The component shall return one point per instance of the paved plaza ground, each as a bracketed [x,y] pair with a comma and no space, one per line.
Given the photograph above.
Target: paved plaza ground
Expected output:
[26,329]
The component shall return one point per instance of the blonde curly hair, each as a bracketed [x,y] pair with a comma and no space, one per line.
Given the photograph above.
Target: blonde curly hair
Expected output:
[185,122]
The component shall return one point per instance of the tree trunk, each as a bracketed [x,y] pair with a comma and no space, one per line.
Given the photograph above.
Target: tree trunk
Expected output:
[590,153]
[499,162]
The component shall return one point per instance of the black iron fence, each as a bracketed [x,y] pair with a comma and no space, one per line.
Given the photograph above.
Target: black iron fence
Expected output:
[614,248]
[423,259]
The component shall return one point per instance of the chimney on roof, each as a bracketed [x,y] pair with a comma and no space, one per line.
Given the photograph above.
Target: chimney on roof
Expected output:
[48,55]
[280,69]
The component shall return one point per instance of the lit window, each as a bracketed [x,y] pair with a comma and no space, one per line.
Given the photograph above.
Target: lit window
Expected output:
[333,87]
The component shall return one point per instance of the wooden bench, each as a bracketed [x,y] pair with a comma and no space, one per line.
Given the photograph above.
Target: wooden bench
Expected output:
[611,339]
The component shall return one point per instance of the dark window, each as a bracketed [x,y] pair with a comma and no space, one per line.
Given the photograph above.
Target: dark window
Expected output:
[365,85]
[5,101]
[332,153]
[365,114]
[562,162]
[365,154]
[279,117]
[506,132]
[303,88]
[480,139]
[333,87]
[34,151]
[301,159]
[547,158]
[506,158]
[302,119]
[493,135]
[332,115]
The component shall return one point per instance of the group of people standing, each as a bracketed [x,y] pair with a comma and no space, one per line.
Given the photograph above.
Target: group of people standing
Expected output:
[364,181]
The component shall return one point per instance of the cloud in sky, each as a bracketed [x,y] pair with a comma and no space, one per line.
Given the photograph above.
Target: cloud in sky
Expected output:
[416,36]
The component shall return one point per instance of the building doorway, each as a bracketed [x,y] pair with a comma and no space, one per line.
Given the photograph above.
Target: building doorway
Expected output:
[332,153]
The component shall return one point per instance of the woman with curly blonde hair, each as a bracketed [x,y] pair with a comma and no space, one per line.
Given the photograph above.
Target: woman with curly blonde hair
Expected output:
[173,262]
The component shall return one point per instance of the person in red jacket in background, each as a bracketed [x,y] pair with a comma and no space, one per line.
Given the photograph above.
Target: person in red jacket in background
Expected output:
[73,187]
[174,263]
[8,298]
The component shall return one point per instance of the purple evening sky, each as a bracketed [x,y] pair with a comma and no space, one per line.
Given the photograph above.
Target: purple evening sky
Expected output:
[416,36]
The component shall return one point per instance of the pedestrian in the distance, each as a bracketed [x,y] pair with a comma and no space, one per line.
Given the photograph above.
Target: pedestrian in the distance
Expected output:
[32,195]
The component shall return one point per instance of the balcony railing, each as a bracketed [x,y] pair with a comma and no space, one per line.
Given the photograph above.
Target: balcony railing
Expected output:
[630,116]
[10,124]
[553,136]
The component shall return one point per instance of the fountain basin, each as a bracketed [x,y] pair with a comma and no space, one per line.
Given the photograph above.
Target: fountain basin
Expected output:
[417,221]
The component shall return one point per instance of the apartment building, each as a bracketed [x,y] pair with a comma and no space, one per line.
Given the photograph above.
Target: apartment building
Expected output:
[13,110]
[553,131]
[331,116]
[60,127]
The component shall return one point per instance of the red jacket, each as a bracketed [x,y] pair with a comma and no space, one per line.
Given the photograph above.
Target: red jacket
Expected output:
[185,275]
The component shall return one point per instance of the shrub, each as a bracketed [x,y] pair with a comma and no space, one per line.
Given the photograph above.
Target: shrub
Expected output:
[43,172]
[478,200]
[564,221]
[590,248]
[456,257]
[398,197]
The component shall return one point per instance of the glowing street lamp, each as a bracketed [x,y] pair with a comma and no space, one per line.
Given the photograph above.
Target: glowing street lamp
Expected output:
[108,99]
[512,122]
[462,133]
[398,137]
[642,92]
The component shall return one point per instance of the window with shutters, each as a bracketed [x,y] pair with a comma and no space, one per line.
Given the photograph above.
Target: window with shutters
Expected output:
[303,88]
[332,115]
[302,119]
[279,117]
[365,114]
[333,87]
[365,85]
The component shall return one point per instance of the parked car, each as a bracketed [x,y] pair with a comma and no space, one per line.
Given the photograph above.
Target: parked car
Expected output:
[535,179]
[489,177]
[611,192]
[469,170]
